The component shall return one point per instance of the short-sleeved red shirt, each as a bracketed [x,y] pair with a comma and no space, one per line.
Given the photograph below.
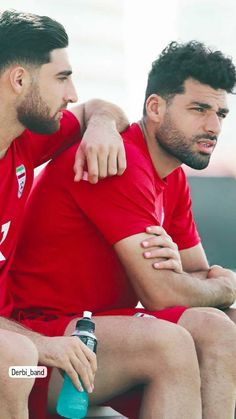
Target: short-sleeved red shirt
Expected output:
[65,261]
[16,174]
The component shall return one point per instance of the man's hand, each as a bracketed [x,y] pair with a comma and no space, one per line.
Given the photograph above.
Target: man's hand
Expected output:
[72,356]
[216,271]
[226,276]
[162,246]
[101,151]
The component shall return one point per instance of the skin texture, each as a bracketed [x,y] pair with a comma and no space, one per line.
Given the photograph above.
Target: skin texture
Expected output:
[14,392]
[155,355]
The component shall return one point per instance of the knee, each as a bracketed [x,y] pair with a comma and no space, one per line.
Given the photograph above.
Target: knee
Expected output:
[211,329]
[15,350]
[26,353]
[175,350]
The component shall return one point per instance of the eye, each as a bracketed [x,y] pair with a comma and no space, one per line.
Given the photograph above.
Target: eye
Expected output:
[199,109]
[221,115]
[64,78]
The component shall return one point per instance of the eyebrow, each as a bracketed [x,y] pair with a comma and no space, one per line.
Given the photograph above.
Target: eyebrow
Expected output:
[64,73]
[207,106]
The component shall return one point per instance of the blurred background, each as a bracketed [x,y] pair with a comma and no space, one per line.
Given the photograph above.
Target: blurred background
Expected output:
[112,46]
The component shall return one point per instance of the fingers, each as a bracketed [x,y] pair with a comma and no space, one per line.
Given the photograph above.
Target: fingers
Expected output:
[162,240]
[92,165]
[73,375]
[111,161]
[82,371]
[79,165]
[71,355]
[161,246]
[160,253]
[171,264]
[112,167]
[169,259]
[121,160]
[155,230]
[100,162]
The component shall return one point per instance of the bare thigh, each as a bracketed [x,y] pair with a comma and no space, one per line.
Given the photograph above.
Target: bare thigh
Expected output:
[130,351]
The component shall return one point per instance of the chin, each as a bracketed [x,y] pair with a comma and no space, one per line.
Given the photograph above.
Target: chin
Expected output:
[199,166]
[52,128]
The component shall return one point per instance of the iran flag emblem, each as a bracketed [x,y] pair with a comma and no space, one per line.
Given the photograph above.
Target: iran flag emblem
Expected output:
[21,176]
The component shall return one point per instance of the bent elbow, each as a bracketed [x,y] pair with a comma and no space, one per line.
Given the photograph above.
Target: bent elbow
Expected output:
[153,304]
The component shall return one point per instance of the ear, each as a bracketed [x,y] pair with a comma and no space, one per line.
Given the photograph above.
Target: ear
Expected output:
[155,108]
[19,77]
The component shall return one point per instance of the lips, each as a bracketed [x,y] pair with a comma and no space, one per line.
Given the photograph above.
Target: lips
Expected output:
[206,146]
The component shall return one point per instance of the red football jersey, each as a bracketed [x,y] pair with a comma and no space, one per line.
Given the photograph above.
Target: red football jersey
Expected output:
[65,260]
[17,171]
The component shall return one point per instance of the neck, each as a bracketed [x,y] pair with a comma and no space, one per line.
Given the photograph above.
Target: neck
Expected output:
[163,162]
[10,129]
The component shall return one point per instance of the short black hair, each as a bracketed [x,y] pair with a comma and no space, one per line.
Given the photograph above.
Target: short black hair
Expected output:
[181,61]
[28,38]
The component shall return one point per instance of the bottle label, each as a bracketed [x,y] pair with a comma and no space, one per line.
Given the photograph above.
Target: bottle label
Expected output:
[89,342]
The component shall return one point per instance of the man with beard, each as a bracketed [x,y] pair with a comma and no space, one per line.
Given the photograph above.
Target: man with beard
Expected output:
[35,84]
[35,88]
[186,101]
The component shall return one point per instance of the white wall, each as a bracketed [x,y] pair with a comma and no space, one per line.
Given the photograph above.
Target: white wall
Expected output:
[113,42]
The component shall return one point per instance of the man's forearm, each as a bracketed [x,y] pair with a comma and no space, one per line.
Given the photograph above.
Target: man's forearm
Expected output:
[13,326]
[197,289]
[98,110]
[159,290]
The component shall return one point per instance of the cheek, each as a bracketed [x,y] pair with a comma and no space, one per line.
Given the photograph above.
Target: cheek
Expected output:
[53,101]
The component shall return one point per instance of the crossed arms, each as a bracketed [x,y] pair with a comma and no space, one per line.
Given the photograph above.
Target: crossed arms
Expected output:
[197,285]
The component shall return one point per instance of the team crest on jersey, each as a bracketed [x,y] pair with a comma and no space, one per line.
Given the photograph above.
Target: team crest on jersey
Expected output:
[21,177]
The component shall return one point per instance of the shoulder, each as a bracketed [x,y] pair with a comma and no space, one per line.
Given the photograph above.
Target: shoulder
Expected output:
[178,179]
[138,158]
[69,119]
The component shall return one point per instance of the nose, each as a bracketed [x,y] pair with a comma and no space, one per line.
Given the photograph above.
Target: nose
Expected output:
[213,123]
[71,95]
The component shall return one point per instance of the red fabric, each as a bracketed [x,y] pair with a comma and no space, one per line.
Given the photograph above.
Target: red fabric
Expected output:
[16,168]
[65,260]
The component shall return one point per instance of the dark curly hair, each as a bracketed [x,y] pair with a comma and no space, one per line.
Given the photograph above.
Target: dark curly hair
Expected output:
[28,38]
[179,62]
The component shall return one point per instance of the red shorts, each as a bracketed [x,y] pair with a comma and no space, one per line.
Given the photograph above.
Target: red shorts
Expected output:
[127,404]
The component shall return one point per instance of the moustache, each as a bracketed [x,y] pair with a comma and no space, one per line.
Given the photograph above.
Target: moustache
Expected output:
[206,137]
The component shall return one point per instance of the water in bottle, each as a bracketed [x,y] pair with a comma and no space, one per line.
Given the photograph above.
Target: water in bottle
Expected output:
[72,403]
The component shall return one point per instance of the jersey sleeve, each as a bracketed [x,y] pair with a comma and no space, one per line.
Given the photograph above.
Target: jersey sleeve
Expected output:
[182,228]
[43,147]
[119,206]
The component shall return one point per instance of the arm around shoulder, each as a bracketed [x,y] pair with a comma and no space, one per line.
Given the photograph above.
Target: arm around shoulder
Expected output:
[101,147]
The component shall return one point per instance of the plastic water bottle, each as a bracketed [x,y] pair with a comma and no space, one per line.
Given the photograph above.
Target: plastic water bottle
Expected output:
[72,403]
